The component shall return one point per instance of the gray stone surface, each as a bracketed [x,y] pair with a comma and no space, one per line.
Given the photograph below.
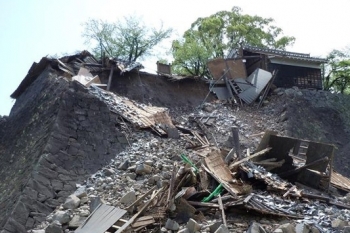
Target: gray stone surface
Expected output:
[193,226]
[143,169]
[128,198]
[54,227]
[255,228]
[172,225]
[72,202]
[222,229]
[62,217]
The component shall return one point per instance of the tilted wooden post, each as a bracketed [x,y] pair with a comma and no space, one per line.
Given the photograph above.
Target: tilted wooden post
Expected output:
[110,78]
[235,137]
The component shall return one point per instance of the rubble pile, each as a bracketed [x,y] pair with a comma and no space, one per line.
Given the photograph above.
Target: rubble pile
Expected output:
[223,167]
[186,184]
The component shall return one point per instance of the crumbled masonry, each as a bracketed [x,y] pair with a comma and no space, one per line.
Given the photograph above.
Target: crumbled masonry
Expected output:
[104,148]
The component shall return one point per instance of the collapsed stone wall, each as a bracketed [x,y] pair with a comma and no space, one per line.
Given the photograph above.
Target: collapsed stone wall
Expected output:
[56,135]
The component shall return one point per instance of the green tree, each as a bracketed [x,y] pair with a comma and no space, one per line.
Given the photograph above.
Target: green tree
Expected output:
[129,39]
[338,71]
[214,36]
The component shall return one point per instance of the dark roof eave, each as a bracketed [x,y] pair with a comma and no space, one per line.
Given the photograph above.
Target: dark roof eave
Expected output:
[35,70]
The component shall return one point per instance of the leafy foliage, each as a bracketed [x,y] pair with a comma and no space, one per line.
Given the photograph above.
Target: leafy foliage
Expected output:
[129,39]
[214,36]
[338,71]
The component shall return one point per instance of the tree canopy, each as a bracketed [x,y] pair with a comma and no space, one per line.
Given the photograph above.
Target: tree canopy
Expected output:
[129,39]
[337,76]
[214,36]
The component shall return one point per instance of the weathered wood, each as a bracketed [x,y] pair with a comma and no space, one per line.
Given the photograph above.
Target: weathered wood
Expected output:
[143,221]
[139,213]
[203,204]
[289,191]
[110,79]
[140,198]
[229,187]
[221,207]
[230,155]
[235,137]
[296,170]
[171,187]
[235,164]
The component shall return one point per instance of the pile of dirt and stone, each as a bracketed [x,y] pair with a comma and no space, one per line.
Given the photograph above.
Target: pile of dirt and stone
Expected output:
[149,163]
[154,155]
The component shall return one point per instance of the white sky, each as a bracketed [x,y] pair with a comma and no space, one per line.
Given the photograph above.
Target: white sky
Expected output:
[36,28]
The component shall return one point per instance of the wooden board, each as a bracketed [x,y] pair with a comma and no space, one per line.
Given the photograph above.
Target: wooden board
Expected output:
[99,221]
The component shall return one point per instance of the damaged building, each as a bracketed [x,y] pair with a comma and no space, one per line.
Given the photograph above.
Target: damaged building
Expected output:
[247,72]
[294,69]
[101,147]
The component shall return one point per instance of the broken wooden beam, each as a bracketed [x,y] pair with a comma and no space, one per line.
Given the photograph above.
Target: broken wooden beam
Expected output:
[221,207]
[121,229]
[110,79]
[235,164]
[203,204]
[140,198]
[296,170]
[235,137]
[289,191]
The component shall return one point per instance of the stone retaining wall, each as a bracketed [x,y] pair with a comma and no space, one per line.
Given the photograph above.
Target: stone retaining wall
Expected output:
[57,135]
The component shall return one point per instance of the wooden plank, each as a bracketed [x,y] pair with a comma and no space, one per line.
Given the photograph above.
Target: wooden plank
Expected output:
[289,191]
[235,137]
[99,221]
[235,164]
[143,221]
[217,168]
[340,182]
[291,172]
[110,78]
[203,204]
[221,207]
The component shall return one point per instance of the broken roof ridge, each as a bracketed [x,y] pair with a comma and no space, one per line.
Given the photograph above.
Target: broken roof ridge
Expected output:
[281,52]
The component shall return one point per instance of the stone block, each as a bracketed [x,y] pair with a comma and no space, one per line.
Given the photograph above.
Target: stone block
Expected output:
[142,169]
[256,228]
[338,223]
[172,225]
[128,198]
[287,228]
[54,227]
[76,221]
[72,202]
[193,226]
[222,229]
[61,216]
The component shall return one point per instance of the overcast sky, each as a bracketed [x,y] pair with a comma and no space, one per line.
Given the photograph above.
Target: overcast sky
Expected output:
[36,28]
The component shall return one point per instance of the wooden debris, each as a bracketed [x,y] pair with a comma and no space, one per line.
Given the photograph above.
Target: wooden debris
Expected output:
[140,198]
[270,164]
[203,204]
[221,207]
[235,164]
[289,191]
[296,170]
[143,221]
[140,212]
[235,138]
[217,168]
